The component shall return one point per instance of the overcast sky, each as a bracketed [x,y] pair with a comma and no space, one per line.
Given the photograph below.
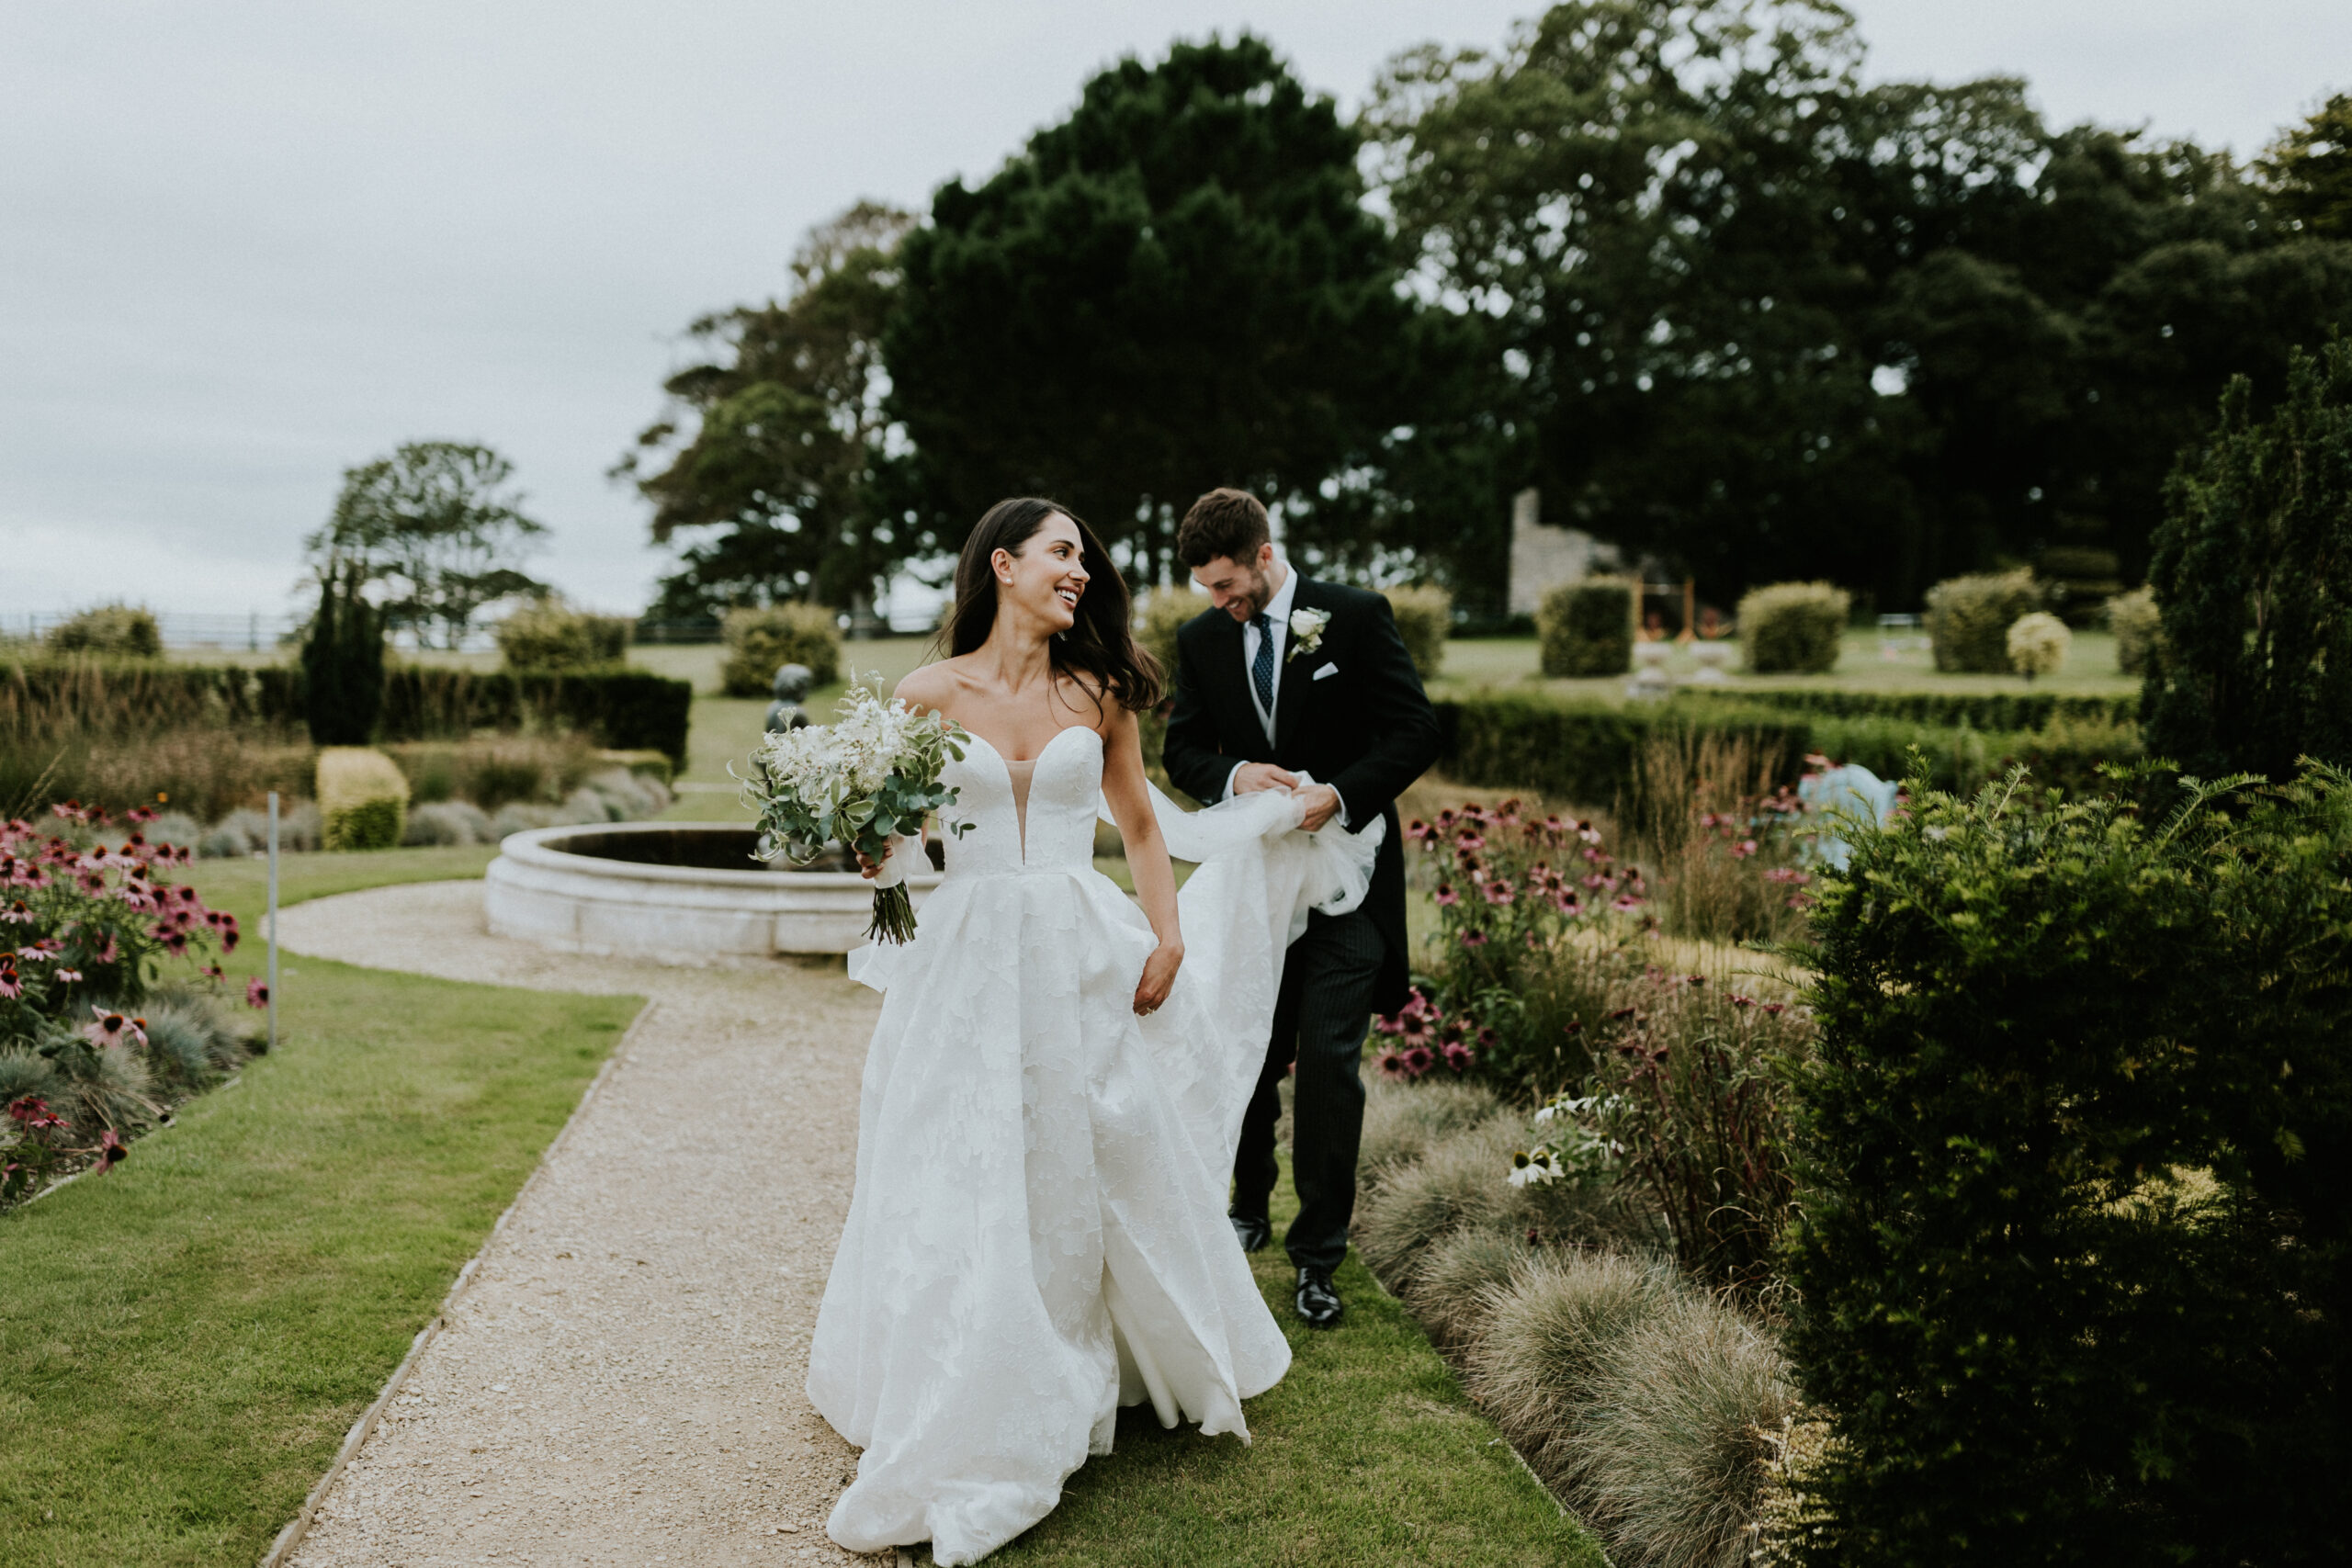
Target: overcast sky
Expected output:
[244,246]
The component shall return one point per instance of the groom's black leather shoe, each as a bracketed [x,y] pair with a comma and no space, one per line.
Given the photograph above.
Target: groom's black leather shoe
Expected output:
[1254,1230]
[1319,1304]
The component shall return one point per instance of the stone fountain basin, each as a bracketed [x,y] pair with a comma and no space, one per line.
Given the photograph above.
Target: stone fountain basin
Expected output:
[674,892]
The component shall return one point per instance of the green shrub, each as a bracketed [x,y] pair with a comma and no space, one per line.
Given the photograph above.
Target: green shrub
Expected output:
[552,635]
[2038,644]
[760,642]
[1587,628]
[619,709]
[1969,620]
[1424,619]
[1794,628]
[2072,1268]
[1160,614]
[125,629]
[1950,710]
[2253,568]
[2138,626]
[363,798]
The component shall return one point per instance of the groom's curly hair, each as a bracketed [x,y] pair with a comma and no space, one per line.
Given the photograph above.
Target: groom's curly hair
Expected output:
[1100,645]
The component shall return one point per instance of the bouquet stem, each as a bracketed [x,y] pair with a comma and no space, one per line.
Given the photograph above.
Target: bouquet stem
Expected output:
[893,916]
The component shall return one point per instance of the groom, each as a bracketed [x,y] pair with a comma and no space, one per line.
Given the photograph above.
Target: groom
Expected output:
[1287,673]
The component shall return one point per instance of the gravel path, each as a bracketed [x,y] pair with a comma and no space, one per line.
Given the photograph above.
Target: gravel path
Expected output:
[621,1382]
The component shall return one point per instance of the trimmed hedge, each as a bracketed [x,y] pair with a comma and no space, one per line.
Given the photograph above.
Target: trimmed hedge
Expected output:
[46,701]
[363,798]
[1794,628]
[2073,1267]
[760,641]
[1969,619]
[1585,752]
[1587,628]
[1988,710]
[1424,619]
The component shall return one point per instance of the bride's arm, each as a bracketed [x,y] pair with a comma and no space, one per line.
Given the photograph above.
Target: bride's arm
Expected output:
[1128,794]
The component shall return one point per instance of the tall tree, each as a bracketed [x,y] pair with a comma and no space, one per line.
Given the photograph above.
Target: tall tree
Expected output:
[2309,171]
[2254,574]
[1176,288]
[774,440]
[438,527]
[1765,321]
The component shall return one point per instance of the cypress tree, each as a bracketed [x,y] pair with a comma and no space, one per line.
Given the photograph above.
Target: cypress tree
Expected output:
[2253,575]
[342,664]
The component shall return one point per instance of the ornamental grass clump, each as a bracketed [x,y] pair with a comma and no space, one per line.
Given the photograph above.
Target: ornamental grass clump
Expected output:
[1723,833]
[2070,1265]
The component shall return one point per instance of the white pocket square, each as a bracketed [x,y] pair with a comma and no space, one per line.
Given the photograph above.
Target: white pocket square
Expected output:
[1326,669]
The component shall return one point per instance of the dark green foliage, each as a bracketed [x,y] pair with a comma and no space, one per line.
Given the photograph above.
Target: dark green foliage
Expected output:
[1792,627]
[1980,710]
[1587,628]
[624,710]
[775,440]
[342,662]
[1178,287]
[1780,319]
[2071,1266]
[2254,575]
[2077,581]
[2309,171]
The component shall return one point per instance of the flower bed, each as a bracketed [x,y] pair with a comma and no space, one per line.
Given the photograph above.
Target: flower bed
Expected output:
[109,1014]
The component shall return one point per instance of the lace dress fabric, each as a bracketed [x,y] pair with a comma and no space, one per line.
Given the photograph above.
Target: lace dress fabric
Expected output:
[1038,1234]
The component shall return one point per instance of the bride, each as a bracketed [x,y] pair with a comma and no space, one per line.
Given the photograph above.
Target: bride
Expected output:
[1054,1087]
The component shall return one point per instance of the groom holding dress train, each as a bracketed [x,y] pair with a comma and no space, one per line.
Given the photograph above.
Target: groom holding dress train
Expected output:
[1287,675]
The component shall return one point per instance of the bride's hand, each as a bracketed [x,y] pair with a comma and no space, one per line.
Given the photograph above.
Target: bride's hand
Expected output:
[870,868]
[1159,977]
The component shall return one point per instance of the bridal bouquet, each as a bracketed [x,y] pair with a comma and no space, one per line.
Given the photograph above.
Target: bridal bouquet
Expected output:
[869,777]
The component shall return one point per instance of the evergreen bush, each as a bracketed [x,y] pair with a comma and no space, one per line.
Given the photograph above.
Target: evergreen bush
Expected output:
[2253,570]
[2138,626]
[1160,615]
[552,635]
[342,664]
[1969,620]
[363,798]
[2072,1263]
[2038,644]
[1794,628]
[1587,628]
[1424,619]
[760,642]
[125,629]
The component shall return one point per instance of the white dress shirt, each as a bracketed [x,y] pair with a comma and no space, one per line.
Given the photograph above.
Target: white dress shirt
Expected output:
[1277,611]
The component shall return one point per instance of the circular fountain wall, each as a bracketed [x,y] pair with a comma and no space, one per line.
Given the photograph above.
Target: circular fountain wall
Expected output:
[677,892]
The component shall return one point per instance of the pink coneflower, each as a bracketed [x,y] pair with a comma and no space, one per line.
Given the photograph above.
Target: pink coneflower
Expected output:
[1776,1008]
[1787,875]
[1739,1001]
[106,1028]
[1498,891]
[1414,1031]
[1470,841]
[1391,1065]
[1446,896]
[1626,905]
[256,993]
[1458,1057]
[1743,849]
[1419,1060]
[1474,939]
[11,987]
[110,1150]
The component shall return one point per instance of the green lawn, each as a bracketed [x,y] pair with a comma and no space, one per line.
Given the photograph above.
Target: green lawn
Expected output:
[1366,1454]
[185,1340]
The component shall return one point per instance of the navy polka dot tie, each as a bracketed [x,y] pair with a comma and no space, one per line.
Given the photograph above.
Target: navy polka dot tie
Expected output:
[1262,669]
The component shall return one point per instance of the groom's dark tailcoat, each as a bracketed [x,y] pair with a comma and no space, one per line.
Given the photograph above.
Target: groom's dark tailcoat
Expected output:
[1364,727]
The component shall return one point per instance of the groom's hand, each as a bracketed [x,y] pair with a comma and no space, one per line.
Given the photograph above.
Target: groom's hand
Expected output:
[1322,804]
[1251,777]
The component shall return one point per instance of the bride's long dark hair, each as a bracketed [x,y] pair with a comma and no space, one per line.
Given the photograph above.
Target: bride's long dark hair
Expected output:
[1100,645]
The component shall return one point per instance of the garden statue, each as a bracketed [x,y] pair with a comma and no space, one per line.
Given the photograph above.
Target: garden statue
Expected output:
[792,682]
[1851,793]
[1651,681]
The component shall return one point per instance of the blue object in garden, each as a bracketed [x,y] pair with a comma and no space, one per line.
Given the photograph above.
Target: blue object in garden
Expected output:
[1851,793]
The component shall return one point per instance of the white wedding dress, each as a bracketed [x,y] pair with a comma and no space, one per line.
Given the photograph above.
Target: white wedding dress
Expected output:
[1038,1232]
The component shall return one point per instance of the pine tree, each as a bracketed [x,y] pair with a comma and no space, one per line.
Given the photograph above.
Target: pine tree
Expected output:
[2253,572]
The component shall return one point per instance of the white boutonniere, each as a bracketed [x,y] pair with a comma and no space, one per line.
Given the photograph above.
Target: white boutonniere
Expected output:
[1305,632]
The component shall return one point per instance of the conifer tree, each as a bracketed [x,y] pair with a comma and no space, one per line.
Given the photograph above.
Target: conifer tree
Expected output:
[2253,573]
[342,663]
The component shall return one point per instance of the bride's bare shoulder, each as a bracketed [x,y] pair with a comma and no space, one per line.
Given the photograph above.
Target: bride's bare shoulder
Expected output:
[932,687]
